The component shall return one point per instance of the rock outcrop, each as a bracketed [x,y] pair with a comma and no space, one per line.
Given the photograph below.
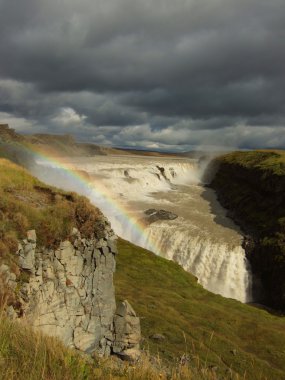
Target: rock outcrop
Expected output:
[127,332]
[152,215]
[68,292]
[59,279]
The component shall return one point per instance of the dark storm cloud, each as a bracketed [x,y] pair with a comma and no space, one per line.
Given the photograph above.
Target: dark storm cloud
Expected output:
[181,72]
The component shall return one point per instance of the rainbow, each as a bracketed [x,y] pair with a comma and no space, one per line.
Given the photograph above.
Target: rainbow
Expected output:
[95,190]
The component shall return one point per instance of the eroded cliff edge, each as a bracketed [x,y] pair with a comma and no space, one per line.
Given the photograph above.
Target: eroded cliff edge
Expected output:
[59,276]
[251,185]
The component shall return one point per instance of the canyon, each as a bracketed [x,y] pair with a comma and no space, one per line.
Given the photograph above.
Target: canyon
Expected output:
[125,187]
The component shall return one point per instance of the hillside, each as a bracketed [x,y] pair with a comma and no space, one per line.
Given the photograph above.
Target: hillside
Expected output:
[251,185]
[181,322]
[57,145]
[215,332]
[26,355]
[219,337]
[64,145]
[27,203]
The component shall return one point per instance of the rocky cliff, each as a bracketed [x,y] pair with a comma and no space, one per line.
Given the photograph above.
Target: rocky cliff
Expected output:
[60,278]
[251,185]
[68,293]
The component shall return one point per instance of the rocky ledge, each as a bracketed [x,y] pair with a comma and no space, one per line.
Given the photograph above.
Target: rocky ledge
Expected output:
[68,292]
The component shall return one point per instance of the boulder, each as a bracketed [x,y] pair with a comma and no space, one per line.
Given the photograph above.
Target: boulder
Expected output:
[153,215]
[69,293]
[127,332]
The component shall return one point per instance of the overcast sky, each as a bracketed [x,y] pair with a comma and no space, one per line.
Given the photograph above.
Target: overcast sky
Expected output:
[155,74]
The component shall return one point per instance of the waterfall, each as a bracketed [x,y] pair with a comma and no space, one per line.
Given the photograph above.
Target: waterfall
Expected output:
[131,180]
[211,251]
[219,267]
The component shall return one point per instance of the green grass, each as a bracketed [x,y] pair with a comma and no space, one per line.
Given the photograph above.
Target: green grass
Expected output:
[213,330]
[269,161]
[29,355]
[253,183]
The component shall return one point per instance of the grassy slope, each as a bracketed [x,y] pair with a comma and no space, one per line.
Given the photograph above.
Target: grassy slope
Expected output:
[26,203]
[168,299]
[269,161]
[26,355]
[207,326]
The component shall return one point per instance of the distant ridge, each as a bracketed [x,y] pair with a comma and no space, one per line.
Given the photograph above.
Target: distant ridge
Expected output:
[8,134]
[66,145]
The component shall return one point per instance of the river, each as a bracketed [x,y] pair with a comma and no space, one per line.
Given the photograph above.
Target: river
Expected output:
[201,239]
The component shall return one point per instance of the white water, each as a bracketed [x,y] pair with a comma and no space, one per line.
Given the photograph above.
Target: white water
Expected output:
[202,239]
[218,266]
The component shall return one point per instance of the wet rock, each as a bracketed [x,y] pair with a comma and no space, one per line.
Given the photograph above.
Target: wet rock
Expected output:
[150,211]
[153,215]
[162,172]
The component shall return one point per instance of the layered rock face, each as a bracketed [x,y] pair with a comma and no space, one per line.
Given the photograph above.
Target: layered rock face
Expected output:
[68,293]
[254,196]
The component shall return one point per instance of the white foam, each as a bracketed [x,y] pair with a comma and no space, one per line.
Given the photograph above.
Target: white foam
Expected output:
[220,266]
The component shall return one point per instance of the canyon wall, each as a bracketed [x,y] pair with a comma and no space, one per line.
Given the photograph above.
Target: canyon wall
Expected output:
[251,185]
